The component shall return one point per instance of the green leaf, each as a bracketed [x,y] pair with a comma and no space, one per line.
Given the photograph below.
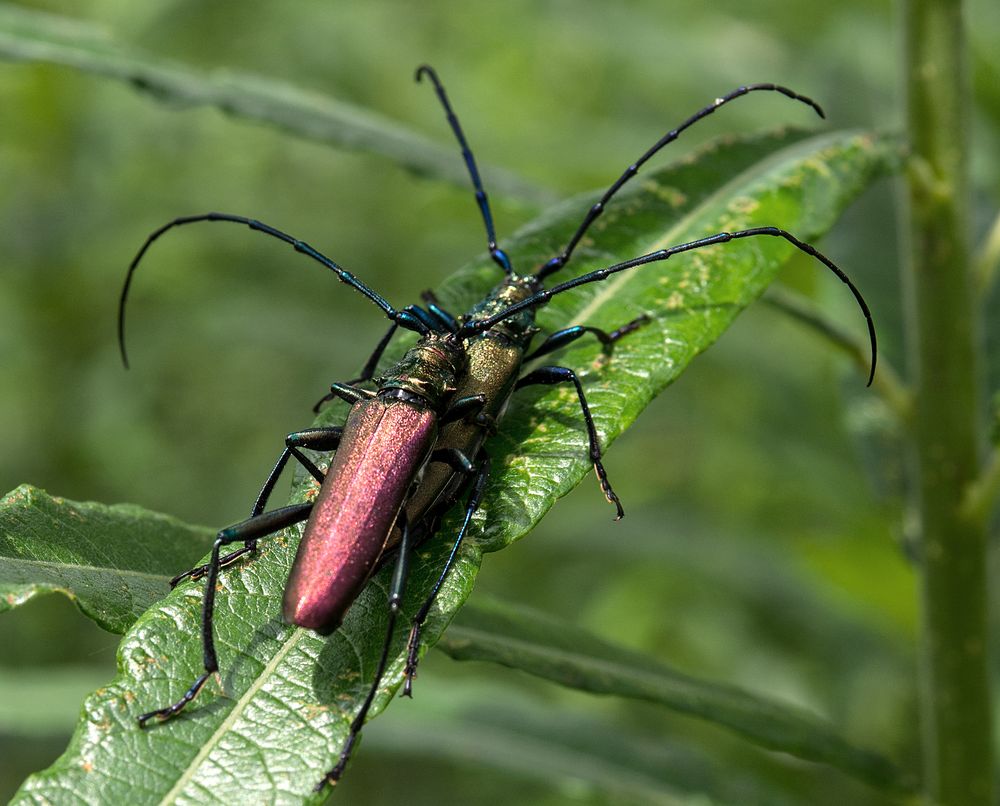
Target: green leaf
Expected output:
[527,640]
[290,695]
[112,561]
[31,36]
[728,185]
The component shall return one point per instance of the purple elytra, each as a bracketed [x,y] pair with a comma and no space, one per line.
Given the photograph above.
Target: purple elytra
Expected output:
[384,445]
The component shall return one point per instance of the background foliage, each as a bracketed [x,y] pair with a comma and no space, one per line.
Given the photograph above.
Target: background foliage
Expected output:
[764,544]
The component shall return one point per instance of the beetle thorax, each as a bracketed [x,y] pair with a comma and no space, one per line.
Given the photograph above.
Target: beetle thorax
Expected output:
[513,289]
[428,369]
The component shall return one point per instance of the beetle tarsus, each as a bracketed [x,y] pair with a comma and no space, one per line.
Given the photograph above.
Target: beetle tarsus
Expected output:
[195,573]
[163,714]
[413,649]
[199,571]
[609,493]
[410,670]
[333,776]
[627,328]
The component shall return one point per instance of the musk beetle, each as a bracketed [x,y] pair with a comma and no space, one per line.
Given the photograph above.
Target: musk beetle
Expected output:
[413,446]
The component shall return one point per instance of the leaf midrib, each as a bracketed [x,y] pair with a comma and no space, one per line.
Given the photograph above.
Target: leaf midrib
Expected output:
[237,711]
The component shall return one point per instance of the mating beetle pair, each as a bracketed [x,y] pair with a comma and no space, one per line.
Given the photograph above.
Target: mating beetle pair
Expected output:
[414,446]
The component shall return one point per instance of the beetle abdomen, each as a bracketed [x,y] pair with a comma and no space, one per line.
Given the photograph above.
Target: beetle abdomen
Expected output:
[384,444]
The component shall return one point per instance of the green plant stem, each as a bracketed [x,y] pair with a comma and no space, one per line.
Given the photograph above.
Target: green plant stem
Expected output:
[942,330]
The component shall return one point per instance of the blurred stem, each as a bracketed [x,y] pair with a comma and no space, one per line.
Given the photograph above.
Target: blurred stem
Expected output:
[942,330]
[887,381]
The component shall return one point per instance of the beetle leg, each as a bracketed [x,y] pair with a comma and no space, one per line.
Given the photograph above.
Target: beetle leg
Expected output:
[471,506]
[561,338]
[434,306]
[454,458]
[317,439]
[553,375]
[395,601]
[464,407]
[314,439]
[369,369]
[351,394]
[249,530]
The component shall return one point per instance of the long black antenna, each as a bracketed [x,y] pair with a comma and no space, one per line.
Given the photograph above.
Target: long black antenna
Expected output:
[498,255]
[477,326]
[403,318]
[563,257]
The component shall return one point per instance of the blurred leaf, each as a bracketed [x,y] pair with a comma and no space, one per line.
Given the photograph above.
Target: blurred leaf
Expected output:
[31,36]
[290,695]
[527,640]
[112,561]
[482,725]
[47,700]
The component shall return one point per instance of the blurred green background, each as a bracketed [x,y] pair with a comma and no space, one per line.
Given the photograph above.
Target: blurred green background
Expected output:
[765,542]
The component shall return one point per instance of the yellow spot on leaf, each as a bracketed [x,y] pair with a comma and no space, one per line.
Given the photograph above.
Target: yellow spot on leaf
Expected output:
[743,204]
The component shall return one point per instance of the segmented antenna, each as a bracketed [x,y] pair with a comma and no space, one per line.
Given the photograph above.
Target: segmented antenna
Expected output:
[403,318]
[595,211]
[477,326]
[498,255]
